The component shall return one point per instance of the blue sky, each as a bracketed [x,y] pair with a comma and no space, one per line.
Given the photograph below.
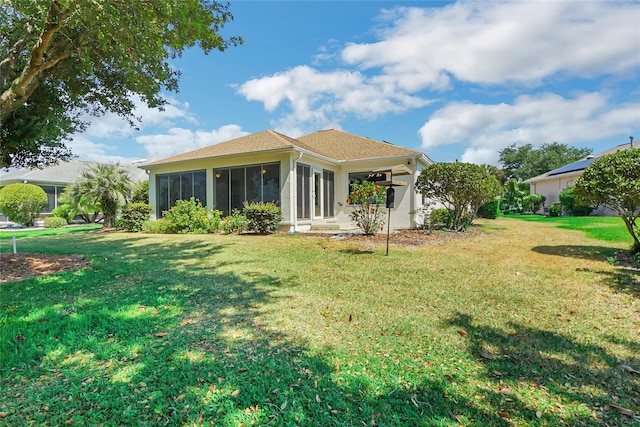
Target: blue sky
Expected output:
[455,80]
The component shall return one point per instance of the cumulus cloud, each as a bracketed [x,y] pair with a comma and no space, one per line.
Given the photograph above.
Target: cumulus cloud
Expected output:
[180,140]
[486,129]
[500,42]
[423,53]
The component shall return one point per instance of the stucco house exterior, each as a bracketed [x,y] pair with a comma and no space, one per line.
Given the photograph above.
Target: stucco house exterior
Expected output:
[308,176]
[53,179]
[551,183]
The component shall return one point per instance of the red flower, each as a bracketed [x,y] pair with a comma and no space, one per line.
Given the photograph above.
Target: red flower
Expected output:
[382,228]
[348,201]
[356,192]
[377,188]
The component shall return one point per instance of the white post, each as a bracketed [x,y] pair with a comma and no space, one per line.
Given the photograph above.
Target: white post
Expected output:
[13,240]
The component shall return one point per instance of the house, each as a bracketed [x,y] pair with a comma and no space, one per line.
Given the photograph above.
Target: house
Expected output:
[53,179]
[308,176]
[551,183]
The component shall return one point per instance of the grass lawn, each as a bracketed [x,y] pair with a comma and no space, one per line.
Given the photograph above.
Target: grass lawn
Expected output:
[9,234]
[524,325]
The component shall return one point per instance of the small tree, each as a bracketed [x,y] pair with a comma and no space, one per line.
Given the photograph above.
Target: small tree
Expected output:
[103,185]
[614,181]
[460,187]
[368,200]
[572,204]
[22,203]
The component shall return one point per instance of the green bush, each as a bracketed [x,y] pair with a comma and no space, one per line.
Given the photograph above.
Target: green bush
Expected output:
[368,211]
[160,226]
[263,218]
[188,216]
[555,209]
[63,211]
[572,204]
[234,223]
[490,210]
[54,222]
[533,202]
[133,216]
[440,218]
[22,203]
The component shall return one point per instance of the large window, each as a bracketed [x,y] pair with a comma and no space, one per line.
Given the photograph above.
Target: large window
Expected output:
[257,183]
[53,195]
[360,177]
[303,191]
[180,186]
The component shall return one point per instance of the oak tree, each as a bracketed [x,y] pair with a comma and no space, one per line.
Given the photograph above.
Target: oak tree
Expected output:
[63,59]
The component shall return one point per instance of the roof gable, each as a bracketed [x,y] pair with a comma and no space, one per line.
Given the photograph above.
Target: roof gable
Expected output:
[255,142]
[341,145]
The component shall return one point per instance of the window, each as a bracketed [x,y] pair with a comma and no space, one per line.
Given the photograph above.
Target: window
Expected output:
[360,177]
[53,194]
[329,197]
[180,186]
[303,191]
[256,183]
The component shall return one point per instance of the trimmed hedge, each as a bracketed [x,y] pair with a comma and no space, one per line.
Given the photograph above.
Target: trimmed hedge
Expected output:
[22,203]
[54,222]
[133,216]
[263,218]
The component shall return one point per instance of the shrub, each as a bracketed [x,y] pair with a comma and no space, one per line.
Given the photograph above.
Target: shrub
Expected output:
[140,192]
[555,209]
[63,211]
[22,203]
[133,216]
[572,204]
[368,211]
[160,226]
[234,223]
[440,218]
[490,210]
[188,216]
[263,218]
[54,222]
[215,220]
[533,202]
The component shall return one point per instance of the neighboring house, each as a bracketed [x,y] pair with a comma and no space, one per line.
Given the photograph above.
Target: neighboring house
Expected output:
[309,176]
[550,184]
[54,179]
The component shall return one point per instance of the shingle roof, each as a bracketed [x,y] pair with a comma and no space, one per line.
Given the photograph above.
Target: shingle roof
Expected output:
[345,146]
[334,144]
[62,173]
[255,142]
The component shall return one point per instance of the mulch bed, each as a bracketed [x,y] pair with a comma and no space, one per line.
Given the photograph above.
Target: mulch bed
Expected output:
[14,267]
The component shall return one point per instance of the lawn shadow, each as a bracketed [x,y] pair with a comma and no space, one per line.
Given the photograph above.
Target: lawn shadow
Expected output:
[624,279]
[599,253]
[535,362]
[147,336]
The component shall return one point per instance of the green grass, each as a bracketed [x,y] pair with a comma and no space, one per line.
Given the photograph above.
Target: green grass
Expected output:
[8,234]
[515,327]
[609,229]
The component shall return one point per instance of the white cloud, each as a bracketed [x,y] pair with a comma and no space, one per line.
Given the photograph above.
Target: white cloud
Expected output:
[486,129]
[501,42]
[91,151]
[420,50]
[318,100]
[181,140]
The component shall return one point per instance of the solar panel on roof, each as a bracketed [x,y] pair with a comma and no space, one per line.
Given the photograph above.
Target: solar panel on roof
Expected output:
[575,166]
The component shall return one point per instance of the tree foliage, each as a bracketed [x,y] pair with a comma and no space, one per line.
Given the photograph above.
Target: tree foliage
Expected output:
[22,203]
[368,200]
[614,181]
[102,185]
[60,59]
[525,161]
[460,187]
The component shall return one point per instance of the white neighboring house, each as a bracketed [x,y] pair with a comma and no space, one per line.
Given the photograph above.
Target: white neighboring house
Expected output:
[551,183]
[53,179]
[309,176]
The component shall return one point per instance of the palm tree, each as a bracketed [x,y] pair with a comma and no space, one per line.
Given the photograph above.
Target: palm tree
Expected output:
[104,184]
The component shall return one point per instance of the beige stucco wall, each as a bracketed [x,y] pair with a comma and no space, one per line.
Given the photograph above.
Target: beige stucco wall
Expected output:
[552,186]
[406,200]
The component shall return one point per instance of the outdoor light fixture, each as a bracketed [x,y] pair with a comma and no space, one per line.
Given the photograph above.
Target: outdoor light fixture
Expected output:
[218,175]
